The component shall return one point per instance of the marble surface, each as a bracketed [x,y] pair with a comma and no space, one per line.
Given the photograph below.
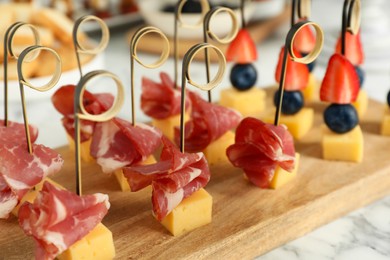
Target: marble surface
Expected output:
[363,234]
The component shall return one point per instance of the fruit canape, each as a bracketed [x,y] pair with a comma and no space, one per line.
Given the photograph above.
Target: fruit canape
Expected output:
[265,151]
[179,201]
[244,96]
[342,137]
[349,44]
[385,128]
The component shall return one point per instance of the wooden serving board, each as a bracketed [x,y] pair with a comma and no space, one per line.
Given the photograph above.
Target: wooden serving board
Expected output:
[247,221]
[259,31]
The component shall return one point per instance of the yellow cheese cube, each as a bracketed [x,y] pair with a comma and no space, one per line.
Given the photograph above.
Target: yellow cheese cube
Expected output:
[168,125]
[361,103]
[39,186]
[193,212]
[282,176]
[385,129]
[97,245]
[249,103]
[215,152]
[122,180]
[311,92]
[343,147]
[30,197]
[85,150]
[298,125]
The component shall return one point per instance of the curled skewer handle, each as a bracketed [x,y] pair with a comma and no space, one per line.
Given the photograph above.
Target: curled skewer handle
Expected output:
[133,56]
[8,50]
[28,53]
[186,77]
[208,33]
[289,53]
[81,113]
[350,20]
[179,22]
[81,48]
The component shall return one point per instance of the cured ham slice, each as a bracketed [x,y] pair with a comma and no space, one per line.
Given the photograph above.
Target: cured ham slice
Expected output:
[21,171]
[117,143]
[208,123]
[63,101]
[175,177]
[161,100]
[59,218]
[14,132]
[259,148]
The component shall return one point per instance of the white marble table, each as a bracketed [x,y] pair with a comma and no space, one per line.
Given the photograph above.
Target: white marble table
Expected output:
[363,234]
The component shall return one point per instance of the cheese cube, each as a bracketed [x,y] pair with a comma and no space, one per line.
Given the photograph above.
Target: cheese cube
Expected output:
[193,212]
[29,197]
[85,150]
[298,125]
[97,245]
[385,129]
[311,92]
[361,103]
[167,126]
[282,176]
[249,103]
[122,180]
[343,147]
[39,186]
[215,152]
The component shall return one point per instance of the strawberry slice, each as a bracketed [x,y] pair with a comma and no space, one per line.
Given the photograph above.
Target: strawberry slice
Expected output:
[341,82]
[305,40]
[353,48]
[242,49]
[297,74]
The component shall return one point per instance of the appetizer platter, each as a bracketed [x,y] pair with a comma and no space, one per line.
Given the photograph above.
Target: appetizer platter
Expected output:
[200,181]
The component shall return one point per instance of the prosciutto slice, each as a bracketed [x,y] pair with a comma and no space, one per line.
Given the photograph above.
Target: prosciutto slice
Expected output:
[63,101]
[259,148]
[21,171]
[161,100]
[117,143]
[175,177]
[208,123]
[14,132]
[59,218]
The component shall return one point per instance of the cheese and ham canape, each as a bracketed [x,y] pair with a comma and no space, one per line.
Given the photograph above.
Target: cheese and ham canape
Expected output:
[65,225]
[63,101]
[265,152]
[161,101]
[179,201]
[21,171]
[209,129]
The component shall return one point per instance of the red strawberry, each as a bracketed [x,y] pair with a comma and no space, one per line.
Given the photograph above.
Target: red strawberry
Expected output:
[242,49]
[341,82]
[353,48]
[305,40]
[297,74]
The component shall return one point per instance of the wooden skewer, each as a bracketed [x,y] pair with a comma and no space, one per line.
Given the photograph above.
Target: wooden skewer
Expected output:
[26,54]
[186,77]
[179,21]
[301,9]
[8,50]
[207,33]
[289,54]
[350,20]
[80,48]
[80,113]
[133,56]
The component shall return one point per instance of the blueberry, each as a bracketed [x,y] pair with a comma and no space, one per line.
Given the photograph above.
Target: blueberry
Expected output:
[341,118]
[388,98]
[243,76]
[292,101]
[311,65]
[361,75]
